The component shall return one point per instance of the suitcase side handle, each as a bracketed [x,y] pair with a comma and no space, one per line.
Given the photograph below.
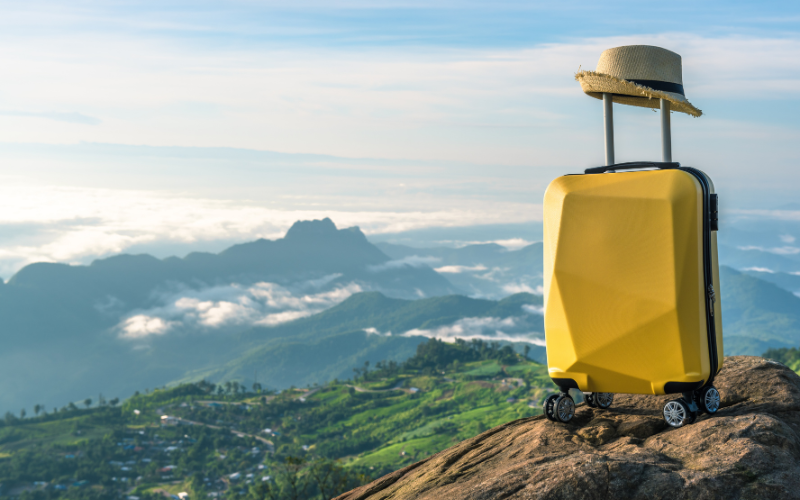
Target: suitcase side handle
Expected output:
[631,165]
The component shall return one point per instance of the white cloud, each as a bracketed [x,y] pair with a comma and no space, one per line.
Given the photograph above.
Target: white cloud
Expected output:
[532,309]
[787,250]
[460,269]
[83,223]
[792,215]
[141,325]
[759,269]
[375,331]
[493,329]
[787,238]
[266,304]
[410,261]
[510,244]
[513,288]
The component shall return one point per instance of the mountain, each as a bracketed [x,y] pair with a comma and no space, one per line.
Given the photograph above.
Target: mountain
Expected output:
[371,327]
[133,320]
[485,270]
[366,326]
[757,315]
[749,449]
[310,250]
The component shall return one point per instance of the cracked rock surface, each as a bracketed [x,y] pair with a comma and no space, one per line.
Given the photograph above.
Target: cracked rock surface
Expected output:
[749,449]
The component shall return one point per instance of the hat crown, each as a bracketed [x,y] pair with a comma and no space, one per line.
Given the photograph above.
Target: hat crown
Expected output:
[641,62]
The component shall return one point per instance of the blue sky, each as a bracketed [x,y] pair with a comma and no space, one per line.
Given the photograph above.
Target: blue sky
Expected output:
[147,125]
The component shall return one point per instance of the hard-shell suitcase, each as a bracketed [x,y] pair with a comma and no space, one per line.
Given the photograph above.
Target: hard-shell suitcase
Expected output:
[631,287]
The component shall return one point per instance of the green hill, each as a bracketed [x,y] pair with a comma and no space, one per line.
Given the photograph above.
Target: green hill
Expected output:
[223,440]
[327,345]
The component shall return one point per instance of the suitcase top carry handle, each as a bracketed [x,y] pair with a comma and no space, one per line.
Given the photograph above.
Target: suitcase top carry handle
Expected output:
[608,128]
[631,165]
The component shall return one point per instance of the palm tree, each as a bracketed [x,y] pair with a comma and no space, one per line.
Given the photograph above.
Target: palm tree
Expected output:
[22,413]
[87,402]
[37,409]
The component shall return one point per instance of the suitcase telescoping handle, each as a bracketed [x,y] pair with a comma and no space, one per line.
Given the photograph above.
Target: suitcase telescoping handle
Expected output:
[632,165]
[608,127]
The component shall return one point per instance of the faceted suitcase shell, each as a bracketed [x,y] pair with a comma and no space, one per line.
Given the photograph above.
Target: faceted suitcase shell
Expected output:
[624,281]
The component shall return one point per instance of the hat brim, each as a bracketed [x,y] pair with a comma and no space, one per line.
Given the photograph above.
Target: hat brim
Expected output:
[624,92]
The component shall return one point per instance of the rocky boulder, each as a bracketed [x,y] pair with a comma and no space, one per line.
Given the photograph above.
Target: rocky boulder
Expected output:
[749,449]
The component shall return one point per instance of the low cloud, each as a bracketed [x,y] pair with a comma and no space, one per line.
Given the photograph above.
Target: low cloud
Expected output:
[787,250]
[787,238]
[510,244]
[213,308]
[78,225]
[532,309]
[513,288]
[490,329]
[411,261]
[523,328]
[791,215]
[375,331]
[142,325]
[460,269]
[759,269]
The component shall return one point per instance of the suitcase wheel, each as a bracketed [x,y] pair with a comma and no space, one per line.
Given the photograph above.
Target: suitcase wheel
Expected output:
[564,408]
[600,400]
[549,407]
[707,399]
[603,400]
[678,414]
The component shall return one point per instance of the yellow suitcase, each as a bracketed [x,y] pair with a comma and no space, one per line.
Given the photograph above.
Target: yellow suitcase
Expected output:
[631,286]
[631,278]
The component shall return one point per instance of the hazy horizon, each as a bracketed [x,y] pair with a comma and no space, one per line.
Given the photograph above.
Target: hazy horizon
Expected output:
[167,128]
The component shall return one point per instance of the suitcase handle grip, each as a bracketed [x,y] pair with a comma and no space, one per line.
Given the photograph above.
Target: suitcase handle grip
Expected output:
[631,165]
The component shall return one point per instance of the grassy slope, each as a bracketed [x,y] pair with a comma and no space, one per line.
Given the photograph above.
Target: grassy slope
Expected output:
[366,423]
[329,344]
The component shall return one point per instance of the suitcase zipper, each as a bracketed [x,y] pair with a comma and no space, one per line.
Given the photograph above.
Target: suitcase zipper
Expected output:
[707,268]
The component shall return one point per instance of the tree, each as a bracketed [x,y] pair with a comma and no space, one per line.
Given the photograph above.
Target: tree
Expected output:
[71,406]
[87,402]
[114,402]
[526,350]
[101,401]
[256,387]
[36,409]
[22,413]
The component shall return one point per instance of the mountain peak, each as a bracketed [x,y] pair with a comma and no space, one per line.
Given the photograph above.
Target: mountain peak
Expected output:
[315,227]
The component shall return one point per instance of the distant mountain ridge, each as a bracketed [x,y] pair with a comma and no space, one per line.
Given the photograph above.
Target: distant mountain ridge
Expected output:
[310,249]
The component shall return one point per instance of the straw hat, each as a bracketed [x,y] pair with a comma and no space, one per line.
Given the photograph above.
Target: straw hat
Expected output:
[638,75]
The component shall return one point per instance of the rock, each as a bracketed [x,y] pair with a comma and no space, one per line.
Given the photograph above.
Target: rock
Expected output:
[749,449]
